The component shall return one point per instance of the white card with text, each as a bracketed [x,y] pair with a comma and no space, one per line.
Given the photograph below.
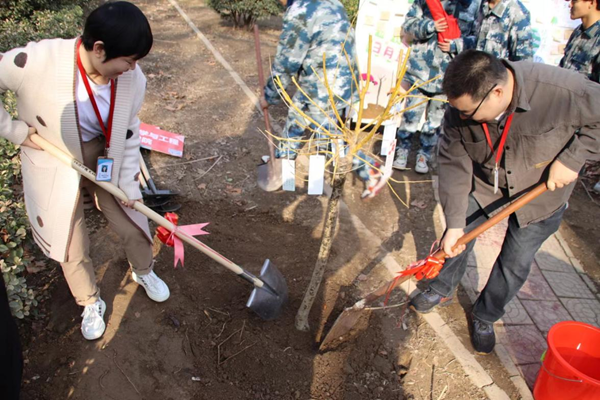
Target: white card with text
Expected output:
[389,136]
[316,174]
[288,174]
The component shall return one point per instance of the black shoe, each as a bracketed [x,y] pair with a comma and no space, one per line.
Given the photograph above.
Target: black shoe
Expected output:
[427,300]
[483,337]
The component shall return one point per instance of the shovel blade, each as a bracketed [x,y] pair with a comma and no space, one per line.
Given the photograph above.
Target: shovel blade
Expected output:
[269,175]
[268,301]
[345,327]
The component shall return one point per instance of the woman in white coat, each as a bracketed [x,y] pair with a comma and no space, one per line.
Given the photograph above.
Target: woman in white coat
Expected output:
[83,95]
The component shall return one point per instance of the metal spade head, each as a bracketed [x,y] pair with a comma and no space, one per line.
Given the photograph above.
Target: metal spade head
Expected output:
[268,300]
[269,175]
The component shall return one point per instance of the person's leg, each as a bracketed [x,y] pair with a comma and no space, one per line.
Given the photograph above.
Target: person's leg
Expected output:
[78,267]
[136,244]
[295,125]
[513,264]
[454,268]
[430,131]
[414,106]
[11,357]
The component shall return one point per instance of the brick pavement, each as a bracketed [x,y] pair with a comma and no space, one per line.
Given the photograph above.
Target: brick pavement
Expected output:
[556,290]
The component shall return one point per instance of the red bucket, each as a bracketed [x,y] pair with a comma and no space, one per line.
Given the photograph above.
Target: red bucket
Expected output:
[571,365]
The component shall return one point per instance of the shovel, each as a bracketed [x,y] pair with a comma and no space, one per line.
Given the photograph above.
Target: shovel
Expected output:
[160,204]
[150,183]
[269,172]
[270,290]
[344,326]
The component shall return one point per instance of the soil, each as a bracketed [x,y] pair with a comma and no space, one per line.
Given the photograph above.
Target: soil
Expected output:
[203,343]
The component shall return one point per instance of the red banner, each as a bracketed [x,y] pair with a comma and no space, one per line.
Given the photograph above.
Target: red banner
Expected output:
[155,139]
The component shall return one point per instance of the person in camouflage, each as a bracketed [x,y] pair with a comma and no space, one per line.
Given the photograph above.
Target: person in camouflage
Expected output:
[582,52]
[312,28]
[502,28]
[426,62]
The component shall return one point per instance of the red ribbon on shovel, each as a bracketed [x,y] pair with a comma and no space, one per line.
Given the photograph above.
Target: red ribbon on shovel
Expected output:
[427,268]
[170,238]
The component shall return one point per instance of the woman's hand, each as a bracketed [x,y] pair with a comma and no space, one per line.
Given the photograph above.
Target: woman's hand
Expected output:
[28,142]
[131,203]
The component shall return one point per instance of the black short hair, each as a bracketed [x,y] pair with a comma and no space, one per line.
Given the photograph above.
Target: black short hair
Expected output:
[122,27]
[473,72]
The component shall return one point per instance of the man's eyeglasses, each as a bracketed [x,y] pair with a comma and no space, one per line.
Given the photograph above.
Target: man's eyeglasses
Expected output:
[471,115]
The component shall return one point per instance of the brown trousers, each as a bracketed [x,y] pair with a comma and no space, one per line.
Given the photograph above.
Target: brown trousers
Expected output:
[79,269]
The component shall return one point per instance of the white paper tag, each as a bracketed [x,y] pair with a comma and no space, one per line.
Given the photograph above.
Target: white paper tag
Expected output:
[316,174]
[389,160]
[338,145]
[389,136]
[288,174]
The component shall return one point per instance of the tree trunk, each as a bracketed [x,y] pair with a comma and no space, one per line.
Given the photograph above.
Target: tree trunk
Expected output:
[331,219]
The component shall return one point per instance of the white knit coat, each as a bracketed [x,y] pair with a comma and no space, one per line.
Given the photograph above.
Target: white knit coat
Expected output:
[43,76]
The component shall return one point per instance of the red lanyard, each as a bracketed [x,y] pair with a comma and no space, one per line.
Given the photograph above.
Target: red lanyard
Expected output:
[106,130]
[500,148]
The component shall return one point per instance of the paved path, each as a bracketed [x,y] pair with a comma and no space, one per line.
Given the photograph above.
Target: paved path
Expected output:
[557,290]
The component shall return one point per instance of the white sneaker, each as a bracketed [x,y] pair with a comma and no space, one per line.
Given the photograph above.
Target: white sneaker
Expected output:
[93,326]
[155,287]
[401,159]
[421,166]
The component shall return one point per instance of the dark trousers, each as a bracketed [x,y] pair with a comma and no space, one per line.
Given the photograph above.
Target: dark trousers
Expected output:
[511,268]
[11,358]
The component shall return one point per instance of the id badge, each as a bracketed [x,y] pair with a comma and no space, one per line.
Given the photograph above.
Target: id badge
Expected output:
[104,169]
[496,179]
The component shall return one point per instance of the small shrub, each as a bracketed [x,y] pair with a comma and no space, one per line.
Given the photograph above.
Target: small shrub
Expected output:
[14,239]
[22,21]
[244,13]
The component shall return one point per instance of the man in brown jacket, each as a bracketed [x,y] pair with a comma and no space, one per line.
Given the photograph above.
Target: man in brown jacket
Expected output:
[509,127]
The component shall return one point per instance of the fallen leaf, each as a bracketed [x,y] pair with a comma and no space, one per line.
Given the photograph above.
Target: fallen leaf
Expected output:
[235,191]
[202,186]
[419,204]
[170,108]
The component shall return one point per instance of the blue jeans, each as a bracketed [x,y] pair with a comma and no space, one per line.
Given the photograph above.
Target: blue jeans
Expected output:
[511,268]
[294,128]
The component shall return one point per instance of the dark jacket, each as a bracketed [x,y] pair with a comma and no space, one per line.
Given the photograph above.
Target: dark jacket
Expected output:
[557,116]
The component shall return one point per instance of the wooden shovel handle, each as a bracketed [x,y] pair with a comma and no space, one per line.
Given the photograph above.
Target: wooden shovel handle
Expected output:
[261,82]
[138,206]
[441,254]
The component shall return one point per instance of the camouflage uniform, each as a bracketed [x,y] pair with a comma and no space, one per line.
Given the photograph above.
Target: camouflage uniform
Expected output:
[504,31]
[426,62]
[312,28]
[582,53]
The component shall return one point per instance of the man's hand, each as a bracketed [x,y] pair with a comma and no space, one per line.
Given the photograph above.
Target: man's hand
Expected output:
[560,176]
[131,203]
[445,46]
[28,142]
[441,25]
[450,239]
[263,103]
